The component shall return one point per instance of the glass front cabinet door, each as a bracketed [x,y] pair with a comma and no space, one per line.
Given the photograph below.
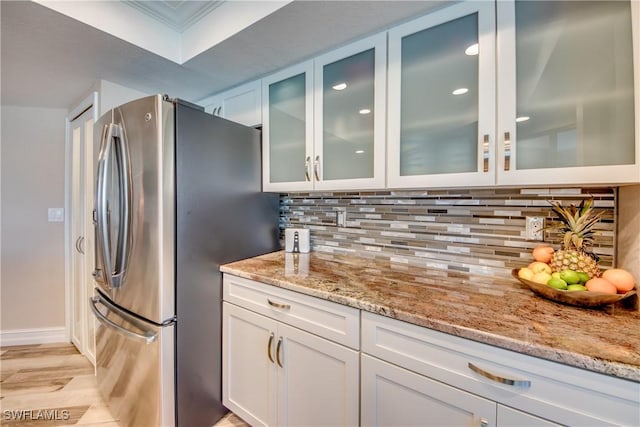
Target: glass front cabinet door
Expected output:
[287,136]
[442,98]
[324,121]
[350,116]
[566,110]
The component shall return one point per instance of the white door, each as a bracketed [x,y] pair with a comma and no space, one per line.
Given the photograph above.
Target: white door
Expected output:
[317,380]
[248,365]
[82,321]
[392,396]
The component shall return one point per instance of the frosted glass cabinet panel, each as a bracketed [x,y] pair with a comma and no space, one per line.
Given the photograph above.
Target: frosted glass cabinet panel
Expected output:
[288,129]
[566,94]
[442,98]
[350,116]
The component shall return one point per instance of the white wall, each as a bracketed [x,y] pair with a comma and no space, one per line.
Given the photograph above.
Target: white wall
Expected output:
[111,95]
[32,278]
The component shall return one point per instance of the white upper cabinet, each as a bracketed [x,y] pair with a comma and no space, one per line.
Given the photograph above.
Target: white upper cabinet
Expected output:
[349,116]
[287,136]
[242,104]
[566,93]
[324,121]
[479,93]
[442,98]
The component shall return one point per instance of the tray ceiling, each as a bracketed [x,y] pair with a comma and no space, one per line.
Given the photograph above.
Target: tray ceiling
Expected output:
[179,15]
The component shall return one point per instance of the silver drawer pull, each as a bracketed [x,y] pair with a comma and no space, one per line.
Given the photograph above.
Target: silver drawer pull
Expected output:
[278,305]
[269,344]
[484,422]
[278,347]
[499,379]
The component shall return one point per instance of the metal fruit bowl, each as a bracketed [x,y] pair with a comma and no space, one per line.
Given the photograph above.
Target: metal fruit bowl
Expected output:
[577,298]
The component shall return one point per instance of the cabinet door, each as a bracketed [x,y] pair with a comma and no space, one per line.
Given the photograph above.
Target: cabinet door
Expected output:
[349,148]
[511,417]
[248,373]
[392,396]
[442,98]
[566,93]
[242,104]
[287,136]
[317,382]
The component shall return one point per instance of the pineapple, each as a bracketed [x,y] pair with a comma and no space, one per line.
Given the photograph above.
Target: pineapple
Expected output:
[576,223]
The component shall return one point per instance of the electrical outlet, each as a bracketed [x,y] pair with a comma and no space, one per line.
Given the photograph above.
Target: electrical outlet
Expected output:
[341,217]
[533,228]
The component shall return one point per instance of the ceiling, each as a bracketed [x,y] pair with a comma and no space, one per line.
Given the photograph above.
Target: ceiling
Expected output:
[178,15]
[51,60]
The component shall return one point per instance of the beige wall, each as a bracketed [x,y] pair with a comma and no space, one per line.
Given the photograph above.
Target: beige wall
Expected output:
[32,277]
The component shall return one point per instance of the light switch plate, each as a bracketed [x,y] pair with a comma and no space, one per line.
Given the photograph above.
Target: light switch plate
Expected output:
[56,214]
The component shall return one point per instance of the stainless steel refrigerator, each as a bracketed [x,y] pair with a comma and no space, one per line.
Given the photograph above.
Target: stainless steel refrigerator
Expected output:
[178,193]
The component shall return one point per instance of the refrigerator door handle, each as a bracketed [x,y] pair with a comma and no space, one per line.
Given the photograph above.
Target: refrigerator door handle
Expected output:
[102,213]
[147,337]
[125,185]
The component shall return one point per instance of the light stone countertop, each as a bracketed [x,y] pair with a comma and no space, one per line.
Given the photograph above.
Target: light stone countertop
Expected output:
[491,310]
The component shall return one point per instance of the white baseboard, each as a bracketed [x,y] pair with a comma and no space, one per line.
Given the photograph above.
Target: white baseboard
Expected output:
[33,336]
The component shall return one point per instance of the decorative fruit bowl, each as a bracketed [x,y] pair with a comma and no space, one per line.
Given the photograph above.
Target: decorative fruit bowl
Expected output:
[577,298]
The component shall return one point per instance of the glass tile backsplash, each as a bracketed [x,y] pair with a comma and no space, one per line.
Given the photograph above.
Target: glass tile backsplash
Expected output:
[480,231]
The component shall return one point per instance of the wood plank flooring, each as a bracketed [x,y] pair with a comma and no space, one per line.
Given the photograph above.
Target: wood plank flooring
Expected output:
[51,385]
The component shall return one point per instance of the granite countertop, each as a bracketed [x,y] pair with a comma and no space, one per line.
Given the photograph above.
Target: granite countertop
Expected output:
[491,310]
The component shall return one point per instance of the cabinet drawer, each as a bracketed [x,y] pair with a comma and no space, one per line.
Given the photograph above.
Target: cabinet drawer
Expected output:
[562,393]
[329,320]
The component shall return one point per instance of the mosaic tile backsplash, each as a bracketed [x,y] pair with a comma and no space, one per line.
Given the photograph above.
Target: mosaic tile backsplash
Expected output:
[481,231]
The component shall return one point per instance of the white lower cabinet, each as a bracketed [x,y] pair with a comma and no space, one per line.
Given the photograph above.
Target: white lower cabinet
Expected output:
[294,360]
[511,417]
[393,396]
[467,383]
[275,374]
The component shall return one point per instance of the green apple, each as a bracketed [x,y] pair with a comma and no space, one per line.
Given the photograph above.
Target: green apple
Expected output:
[557,283]
[576,288]
[570,276]
[584,277]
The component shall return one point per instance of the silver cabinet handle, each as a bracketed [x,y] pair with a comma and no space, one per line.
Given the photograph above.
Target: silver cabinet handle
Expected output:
[269,344]
[507,150]
[484,422]
[148,337]
[499,379]
[278,305]
[316,167]
[278,347]
[79,242]
[307,162]
[485,152]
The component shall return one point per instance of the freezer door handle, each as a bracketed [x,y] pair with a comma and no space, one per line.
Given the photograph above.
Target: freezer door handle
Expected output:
[147,337]
[114,145]
[103,238]
[125,184]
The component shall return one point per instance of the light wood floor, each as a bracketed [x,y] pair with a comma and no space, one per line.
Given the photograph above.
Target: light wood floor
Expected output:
[53,385]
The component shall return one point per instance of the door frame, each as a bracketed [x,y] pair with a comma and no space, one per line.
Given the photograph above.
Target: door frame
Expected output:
[90,101]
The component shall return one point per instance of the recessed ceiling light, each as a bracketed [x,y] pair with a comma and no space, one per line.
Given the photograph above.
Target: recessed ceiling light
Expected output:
[460,91]
[340,86]
[522,119]
[364,111]
[359,151]
[472,50]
